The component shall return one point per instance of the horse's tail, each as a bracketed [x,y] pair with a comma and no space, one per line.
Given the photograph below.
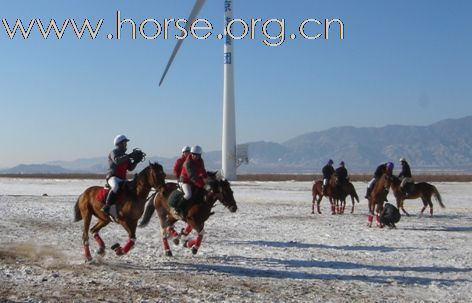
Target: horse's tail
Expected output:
[355,196]
[77,214]
[438,196]
[148,212]
[353,192]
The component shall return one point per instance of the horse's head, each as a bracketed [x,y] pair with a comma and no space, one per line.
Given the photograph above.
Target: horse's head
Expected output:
[155,174]
[221,189]
[387,180]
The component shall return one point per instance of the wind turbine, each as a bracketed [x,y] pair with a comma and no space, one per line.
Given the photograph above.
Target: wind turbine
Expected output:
[228,149]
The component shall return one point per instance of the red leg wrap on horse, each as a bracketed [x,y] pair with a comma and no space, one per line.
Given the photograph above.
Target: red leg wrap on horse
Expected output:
[370,218]
[198,241]
[128,245]
[333,209]
[171,231]
[119,251]
[99,240]
[187,230]
[87,252]
[165,243]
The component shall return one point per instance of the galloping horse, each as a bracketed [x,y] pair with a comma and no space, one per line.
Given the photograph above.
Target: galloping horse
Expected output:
[421,190]
[377,198]
[130,206]
[337,196]
[216,189]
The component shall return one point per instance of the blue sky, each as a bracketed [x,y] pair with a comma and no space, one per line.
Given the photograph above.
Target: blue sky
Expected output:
[401,62]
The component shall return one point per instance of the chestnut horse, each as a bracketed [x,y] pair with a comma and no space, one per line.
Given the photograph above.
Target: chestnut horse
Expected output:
[317,194]
[216,189]
[422,190]
[336,194]
[130,206]
[377,198]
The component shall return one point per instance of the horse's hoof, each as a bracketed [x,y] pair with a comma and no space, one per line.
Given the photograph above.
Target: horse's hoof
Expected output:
[115,246]
[88,260]
[176,241]
[194,250]
[168,253]
[101,251]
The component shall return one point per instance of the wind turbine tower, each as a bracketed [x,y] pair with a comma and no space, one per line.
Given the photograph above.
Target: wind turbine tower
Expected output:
[228,149]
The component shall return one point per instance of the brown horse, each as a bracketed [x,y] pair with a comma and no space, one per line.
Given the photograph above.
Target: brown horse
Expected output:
[130,206]
[336,194]
[342,191]
[422,190]
[318,194]
[216,189]
[377,198]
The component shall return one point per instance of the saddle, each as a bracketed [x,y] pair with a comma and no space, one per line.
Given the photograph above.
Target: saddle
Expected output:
[176,200]
[128,187]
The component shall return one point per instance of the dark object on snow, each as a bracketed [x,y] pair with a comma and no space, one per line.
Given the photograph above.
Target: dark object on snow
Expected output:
[390,215]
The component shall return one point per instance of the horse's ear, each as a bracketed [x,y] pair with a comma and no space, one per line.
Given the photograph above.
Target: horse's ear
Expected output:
[219,175]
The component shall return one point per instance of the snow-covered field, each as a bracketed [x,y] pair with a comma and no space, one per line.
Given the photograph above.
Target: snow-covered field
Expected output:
[272,250]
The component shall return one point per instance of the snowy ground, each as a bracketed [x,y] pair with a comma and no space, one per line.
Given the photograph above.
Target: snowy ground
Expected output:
[272,250]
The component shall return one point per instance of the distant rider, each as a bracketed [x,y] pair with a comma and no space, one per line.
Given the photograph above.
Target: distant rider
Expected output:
[180,161]
[119,164]
[192,178]
[341,174]
[328,171]
[381,169]
[405,176]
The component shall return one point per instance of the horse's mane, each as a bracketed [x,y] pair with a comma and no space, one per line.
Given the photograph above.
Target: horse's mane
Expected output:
[395,180]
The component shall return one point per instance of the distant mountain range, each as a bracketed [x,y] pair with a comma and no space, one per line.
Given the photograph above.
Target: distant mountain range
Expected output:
[445,145]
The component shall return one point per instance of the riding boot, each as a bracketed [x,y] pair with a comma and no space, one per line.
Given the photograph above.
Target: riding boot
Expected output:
[367,194]
[109,202]
[181,207]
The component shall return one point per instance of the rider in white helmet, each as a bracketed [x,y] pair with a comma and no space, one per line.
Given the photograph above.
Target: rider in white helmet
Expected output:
[192,177]
[180,161]
[119,164]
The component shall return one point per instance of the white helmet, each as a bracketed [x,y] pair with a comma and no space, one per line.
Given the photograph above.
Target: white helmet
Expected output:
[196,150]
[402,159]
[119,139]
[186,149]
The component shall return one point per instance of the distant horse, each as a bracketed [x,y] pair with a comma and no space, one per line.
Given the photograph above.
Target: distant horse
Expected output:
[341,193]
[317,194]
[377,198]
[422,190]
[130,206]
[216,189]
[336,195]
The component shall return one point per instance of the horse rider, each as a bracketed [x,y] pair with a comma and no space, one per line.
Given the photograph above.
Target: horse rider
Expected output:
[180,161]
[341,174]
[119,164]
[328,171]
[192,178]
[385,168]
[405,176]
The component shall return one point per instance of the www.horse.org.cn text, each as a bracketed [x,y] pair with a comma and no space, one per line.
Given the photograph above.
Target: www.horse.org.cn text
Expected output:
[271,32]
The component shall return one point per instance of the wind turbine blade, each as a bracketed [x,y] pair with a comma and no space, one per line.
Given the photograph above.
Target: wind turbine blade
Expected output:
[193,14]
